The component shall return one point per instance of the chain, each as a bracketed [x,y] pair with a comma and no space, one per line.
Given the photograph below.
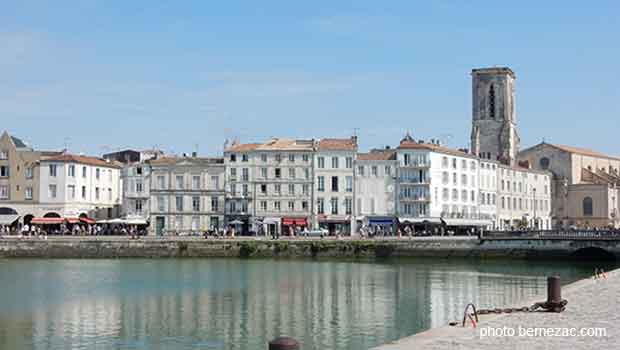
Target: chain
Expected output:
[545,306]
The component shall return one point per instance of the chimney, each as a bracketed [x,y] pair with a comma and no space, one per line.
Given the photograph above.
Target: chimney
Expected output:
[354,139]
[194,154]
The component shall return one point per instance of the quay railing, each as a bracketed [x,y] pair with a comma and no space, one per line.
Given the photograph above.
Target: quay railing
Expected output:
[609,234]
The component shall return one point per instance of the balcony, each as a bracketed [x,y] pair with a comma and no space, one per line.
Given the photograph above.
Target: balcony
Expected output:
[414,165]
[414,198]
[414,181]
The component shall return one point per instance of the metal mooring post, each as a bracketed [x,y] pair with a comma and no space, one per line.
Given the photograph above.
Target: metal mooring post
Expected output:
[554,289]
[284,343]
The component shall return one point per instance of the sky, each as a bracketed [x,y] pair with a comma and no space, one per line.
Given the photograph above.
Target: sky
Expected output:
[99,76]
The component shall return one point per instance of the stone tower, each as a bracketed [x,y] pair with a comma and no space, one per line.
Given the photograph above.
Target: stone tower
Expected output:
[494,121]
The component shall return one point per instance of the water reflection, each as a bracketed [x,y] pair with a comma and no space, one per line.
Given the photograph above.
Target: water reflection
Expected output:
[235,304]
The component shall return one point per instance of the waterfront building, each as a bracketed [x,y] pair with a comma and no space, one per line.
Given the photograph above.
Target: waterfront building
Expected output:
[186,195]
[584,187]
[76,186]
[437,185]
[283,185]
[487,194]
[375,183]
[334,184]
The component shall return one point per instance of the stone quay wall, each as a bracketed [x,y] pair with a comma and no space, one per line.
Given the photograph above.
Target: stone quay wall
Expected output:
[443,247]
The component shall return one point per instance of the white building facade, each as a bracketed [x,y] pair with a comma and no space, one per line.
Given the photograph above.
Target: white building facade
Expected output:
[375,184]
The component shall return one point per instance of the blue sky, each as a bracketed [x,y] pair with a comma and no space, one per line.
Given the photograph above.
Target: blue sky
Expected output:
[103,75]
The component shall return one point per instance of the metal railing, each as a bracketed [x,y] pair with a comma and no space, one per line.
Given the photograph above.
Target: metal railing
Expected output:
[607,234]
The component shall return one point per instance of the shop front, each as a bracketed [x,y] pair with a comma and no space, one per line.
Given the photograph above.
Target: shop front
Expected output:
[241,223]
[377,225]
[335,224]
[290,225]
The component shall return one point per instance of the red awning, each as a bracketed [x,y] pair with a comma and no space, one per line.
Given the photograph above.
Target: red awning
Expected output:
[295,221]
[73,220]
[88,221]
[47,221]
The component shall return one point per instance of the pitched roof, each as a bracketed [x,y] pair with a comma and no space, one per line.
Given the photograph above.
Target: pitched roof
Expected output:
[72,158]
[286,145]
[195,160]
[387,154]
[19,143]
[242,147]
[582,151]
[348,144]
[407,144]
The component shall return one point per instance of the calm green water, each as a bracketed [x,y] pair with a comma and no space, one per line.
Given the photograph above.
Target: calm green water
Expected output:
[241,304]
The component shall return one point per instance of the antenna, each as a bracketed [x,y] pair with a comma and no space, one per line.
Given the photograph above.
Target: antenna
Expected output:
[355,131]
[67,142]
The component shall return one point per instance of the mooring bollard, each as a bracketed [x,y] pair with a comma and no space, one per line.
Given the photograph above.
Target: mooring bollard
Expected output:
[284,343]
[554,289]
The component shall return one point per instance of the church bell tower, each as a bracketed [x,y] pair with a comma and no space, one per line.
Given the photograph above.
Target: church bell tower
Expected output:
[494,122]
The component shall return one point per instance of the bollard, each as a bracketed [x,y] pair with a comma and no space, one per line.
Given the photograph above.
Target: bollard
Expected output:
[284,343]
[554,289]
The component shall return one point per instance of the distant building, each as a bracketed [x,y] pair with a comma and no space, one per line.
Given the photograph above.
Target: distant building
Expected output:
[186,195]
[334,184]
[131,156]
[375,188]
[585,184]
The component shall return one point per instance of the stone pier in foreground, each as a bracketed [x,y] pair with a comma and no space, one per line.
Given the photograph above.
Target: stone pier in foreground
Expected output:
[592,307]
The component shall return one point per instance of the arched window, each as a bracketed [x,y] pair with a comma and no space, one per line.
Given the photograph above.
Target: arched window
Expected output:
[544,163]
[587,206]
[492,102]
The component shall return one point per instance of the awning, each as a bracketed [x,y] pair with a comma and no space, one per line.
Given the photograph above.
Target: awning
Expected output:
[295,221]
[135,221]
[73,220]
[87,221]
[236,222]
[467,222]
[8,219]
[406,220]
[47,221]
[268,221]
[380,220]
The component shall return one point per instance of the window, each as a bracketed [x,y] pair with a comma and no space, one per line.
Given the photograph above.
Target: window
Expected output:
[321,183]
[4,171]
[263,173]
[233,189]
[445,178]
[388,170]
[244,157]
[138,186]
[335,162]
[71,170]
[445,194]
[278,157]
[71,191]
[215,180]
[334,205]
[4,192]
[588,209]
[195,223]
[304,205]
[196,203]
[349,183]
[138,205]
[97,173]
[320,206]
[245,190]
[334,183]
[464,180]
[277,189]
[278,173]
[215,204]
[307,173]
[291,158]
[360,170]
[178,222]
[305,189]
[463,164]
[4,155]
[53,169]
[29,173]
[304,157]
[544,163]
[348,206]
[464,195]
[161,203]
[472,165]
[245,174]
[52,191]
[492,102]
[473,196]
[263,205]
[454,179]
[179,181]
[453,163]
[28,193]
[291,206]
[97,193]
[291,189]
[444,162]
[233,173]
[321,161]
[83,192]
[263,157]
[276,206]
[233,157]
[503,203]
[349,162]
[455,195]
[161,182]
[179,203]
[263,188]
[407,159]
[291,173]
[196,182]
[374,170]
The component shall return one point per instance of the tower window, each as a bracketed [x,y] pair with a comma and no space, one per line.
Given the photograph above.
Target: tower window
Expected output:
[492,102]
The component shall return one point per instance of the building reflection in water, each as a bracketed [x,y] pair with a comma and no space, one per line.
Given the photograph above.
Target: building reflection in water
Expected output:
[235,304]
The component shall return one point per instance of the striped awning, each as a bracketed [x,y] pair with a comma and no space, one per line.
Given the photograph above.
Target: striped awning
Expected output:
[47,221]
[7,219]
